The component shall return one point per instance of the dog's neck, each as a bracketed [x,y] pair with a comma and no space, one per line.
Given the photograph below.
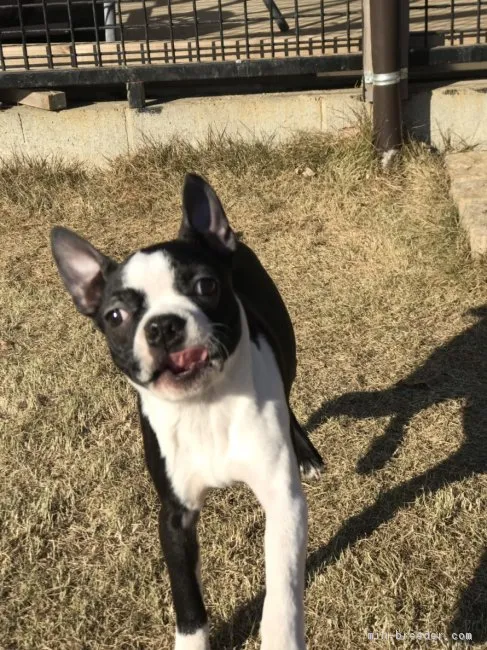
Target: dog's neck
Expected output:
[195,435]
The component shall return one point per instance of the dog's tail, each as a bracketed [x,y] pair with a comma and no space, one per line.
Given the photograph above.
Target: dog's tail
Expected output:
[310,462]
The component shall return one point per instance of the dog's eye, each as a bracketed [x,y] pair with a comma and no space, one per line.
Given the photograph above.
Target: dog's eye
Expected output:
[116,317]
[206,287]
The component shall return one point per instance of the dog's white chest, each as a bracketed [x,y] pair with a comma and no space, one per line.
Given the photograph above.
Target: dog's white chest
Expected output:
[215,441]
[198,443]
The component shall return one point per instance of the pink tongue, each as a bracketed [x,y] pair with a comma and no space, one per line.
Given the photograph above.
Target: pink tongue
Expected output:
[188,359]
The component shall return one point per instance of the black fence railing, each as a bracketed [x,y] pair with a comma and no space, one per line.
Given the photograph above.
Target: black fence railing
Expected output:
[59,33]
[448,22]
[112,41]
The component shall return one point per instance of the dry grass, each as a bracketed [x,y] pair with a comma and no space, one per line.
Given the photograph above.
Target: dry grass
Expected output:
[379,286]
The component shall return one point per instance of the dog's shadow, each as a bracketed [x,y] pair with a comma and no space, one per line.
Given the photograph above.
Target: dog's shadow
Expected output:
[456,370]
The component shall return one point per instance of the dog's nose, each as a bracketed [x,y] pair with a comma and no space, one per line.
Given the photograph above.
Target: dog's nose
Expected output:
[167,329]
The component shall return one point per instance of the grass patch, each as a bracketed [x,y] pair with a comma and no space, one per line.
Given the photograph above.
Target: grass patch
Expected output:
[392,381]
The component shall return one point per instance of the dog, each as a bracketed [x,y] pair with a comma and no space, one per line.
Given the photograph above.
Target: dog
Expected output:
[200,330]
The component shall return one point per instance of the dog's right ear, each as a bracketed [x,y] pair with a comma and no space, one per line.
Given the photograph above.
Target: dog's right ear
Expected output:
[204,217]
[82,268]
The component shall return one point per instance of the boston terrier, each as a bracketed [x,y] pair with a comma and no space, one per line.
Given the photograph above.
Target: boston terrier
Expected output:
[201,332]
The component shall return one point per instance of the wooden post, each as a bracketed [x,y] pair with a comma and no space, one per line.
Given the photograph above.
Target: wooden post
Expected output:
[48,100]
[367,53]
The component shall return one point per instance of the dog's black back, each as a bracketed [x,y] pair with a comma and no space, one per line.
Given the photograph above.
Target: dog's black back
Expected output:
[265,310]
[267,314]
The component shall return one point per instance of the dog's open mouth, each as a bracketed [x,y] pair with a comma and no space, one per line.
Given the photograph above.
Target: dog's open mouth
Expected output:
[183,364]
[188,360]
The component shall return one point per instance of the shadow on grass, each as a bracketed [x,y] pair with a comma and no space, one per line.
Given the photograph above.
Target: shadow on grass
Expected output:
[456,370]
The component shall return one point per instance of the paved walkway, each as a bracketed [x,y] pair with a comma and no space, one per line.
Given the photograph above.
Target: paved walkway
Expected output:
[468,176]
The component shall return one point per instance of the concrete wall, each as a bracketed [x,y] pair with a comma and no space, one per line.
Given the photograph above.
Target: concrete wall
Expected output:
[449,115]
[456,114]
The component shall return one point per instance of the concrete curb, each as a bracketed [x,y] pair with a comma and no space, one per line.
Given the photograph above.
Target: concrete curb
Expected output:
[453,115]
[95,133]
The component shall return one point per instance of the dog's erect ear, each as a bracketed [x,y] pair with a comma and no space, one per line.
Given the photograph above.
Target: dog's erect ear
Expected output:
[204,217]
[83,269]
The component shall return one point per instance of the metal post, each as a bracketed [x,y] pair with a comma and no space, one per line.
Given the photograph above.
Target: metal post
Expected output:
[110,21]
[276,15]
[404,46]
[386,61]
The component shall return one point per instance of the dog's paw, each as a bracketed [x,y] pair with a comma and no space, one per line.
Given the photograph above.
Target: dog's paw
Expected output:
[312,470]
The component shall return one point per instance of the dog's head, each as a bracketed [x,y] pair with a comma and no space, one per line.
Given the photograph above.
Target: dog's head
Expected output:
[168,312]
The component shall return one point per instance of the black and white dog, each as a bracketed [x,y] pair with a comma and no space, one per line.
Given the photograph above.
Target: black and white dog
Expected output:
[201,332]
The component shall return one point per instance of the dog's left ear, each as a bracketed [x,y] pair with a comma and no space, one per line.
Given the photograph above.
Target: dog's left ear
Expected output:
[204,217]
[82,268]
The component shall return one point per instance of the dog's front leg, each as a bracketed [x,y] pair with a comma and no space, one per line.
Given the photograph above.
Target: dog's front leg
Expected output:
[279,490]
[177,529]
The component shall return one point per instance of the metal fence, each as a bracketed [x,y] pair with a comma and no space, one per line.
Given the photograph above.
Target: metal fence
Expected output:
[83,33]
[450,22]
[48,42]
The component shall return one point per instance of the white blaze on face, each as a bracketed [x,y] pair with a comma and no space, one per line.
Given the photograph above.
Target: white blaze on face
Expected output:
[153,275]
